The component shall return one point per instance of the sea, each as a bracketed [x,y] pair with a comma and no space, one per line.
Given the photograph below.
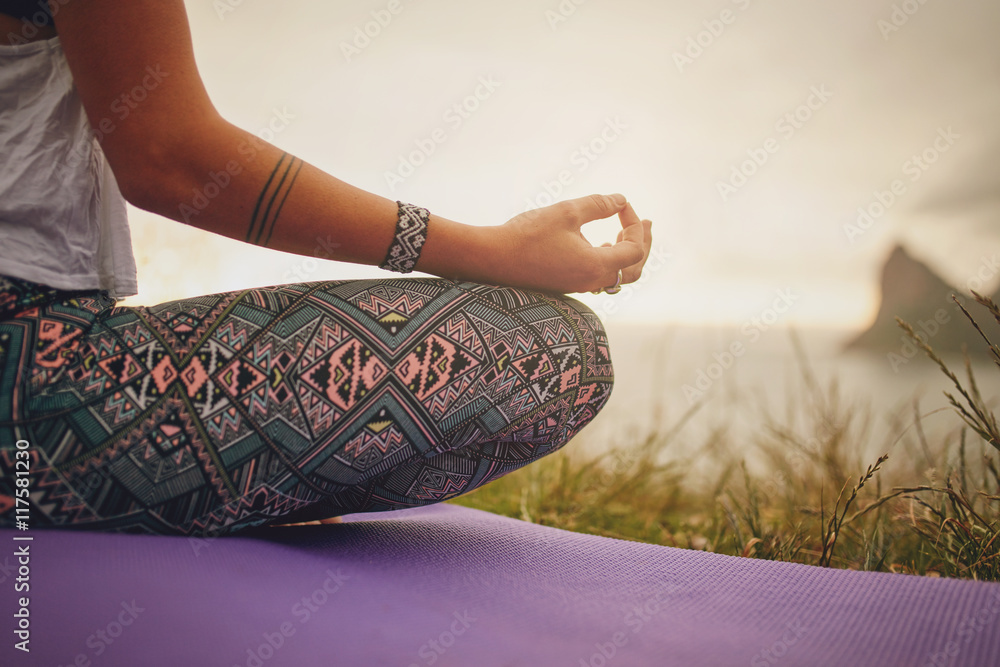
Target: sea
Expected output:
[704,385]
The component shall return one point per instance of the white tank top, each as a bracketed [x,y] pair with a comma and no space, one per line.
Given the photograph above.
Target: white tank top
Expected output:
[62,217]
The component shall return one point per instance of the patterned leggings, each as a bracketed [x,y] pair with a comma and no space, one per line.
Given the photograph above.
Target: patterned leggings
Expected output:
[207,415]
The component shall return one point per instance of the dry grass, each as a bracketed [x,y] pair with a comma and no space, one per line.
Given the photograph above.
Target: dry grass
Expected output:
[809,496]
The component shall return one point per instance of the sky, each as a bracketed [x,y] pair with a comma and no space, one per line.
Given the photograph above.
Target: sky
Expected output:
[752,133]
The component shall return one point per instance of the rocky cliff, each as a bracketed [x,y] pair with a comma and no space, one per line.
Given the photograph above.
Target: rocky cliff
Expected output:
[913,292]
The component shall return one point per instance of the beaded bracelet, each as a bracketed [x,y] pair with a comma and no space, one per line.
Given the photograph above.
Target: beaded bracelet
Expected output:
[411,234]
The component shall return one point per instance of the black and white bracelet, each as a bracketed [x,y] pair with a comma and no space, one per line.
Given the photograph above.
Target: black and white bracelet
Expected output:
[411,234]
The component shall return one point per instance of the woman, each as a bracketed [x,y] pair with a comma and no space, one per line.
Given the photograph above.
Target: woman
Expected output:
[290,403]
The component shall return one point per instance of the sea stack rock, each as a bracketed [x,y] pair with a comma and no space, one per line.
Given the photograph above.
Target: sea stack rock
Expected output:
[913,292]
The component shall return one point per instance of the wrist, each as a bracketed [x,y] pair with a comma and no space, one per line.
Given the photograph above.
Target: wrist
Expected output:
[464,252]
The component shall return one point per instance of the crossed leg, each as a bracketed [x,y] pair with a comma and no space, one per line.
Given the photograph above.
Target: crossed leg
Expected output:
[288,404]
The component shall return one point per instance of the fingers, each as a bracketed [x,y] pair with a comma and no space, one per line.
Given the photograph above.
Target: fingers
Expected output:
[629,251]
[632,245]
[629,218]
[634,272]
[629,254]
[594,207]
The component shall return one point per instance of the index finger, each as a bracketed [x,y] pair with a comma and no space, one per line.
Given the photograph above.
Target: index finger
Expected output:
[596,207]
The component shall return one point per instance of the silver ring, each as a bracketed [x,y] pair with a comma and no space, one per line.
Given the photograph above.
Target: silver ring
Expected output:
[614,289]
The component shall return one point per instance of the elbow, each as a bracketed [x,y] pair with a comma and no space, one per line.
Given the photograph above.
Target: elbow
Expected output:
[142,177]
[156,171]
[150,178]
[134,191]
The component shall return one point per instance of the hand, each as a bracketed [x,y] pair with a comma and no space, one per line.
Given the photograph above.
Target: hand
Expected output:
[544,249]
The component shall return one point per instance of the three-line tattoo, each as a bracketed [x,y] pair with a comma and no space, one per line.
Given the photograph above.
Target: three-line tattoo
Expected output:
[272,199]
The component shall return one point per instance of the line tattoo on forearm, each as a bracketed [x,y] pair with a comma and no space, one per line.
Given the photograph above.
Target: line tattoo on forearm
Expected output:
[272,199]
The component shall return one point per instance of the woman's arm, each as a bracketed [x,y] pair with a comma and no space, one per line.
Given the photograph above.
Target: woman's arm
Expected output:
[172,149]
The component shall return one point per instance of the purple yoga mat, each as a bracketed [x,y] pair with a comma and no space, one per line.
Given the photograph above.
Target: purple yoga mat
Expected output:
[447,586]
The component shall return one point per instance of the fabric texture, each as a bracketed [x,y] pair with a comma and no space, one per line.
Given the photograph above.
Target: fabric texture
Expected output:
[453,587]
[208,415]
[54,174]
[408,242]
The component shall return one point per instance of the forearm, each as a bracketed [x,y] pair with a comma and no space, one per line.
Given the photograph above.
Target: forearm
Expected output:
[225,180]
[174,155]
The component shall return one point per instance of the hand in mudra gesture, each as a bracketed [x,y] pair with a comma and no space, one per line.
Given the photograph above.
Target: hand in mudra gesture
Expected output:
[545,249]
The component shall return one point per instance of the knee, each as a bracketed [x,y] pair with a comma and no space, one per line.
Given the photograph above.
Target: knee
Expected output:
[594,337]
[561,356]
[587,373]
[598,375]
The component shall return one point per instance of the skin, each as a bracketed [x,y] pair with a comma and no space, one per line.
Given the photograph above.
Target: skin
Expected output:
[168,145]
[318,522]
[170,142]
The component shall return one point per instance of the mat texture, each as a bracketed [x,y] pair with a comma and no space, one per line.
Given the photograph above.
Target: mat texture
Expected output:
[446,585]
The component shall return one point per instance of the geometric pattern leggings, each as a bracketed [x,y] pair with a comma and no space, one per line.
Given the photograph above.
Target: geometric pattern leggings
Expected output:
[208,415]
